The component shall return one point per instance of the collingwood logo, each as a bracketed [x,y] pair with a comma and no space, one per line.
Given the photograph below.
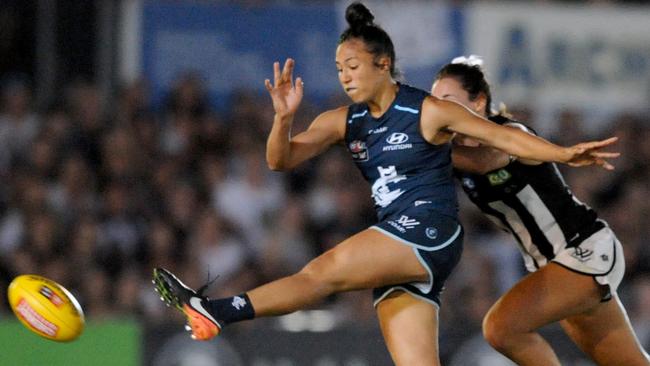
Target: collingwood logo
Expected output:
[397,141]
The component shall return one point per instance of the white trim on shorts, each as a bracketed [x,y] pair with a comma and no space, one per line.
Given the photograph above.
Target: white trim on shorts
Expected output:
[423,247]
[401,288]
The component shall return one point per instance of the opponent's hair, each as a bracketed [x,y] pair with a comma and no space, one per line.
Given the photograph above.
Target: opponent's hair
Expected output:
[472,78]
[362,27]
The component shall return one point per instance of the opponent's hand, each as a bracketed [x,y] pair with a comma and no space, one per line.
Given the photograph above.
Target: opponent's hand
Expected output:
[589,153]
[285,95]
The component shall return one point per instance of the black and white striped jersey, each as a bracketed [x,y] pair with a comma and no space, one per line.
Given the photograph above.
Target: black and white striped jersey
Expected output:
[534,204]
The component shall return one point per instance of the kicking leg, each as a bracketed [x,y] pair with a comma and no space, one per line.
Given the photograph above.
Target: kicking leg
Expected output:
[366,260]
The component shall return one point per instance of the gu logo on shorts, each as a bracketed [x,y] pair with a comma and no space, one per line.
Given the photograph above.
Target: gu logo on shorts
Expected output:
[359,150]
[397,141]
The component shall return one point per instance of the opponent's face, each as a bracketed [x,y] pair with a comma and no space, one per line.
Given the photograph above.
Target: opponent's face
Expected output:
[358,74]
[449,88]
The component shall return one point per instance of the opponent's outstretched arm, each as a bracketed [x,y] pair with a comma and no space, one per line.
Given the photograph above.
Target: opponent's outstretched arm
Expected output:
[439,114]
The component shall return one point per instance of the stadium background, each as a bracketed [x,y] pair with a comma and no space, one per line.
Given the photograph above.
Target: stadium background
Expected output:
[132,135]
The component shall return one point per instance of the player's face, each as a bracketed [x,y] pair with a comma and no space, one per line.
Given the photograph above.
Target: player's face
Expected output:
[449,88]
[358,74]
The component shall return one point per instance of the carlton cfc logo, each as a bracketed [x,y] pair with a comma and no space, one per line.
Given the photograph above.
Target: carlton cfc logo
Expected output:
[397,138]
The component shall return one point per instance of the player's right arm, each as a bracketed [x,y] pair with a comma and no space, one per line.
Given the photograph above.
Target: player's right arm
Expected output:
[283,152]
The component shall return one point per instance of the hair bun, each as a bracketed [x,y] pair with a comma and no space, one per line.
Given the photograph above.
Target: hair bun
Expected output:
[357,15]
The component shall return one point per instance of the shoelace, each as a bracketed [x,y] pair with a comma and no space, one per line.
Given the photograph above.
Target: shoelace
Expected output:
[207,284]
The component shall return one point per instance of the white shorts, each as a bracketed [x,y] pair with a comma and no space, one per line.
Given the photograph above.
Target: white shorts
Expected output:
[599,256]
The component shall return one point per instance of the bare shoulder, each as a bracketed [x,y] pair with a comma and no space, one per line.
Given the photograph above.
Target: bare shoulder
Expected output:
[332,121]
[431,121]
[333,115]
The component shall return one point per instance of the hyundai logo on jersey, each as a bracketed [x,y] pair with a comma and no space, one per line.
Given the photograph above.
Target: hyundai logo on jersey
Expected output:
[397,138]
[397,142]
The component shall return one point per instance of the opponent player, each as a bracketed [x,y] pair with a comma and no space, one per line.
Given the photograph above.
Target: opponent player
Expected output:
[575,259]
[398,136]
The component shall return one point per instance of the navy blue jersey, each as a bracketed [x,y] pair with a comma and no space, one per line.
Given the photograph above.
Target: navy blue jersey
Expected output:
[403,169]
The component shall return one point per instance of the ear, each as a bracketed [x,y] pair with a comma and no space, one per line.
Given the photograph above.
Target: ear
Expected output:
[479,104]
[383,63]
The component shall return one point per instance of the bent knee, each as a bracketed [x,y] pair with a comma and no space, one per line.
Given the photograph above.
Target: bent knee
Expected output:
[498,330]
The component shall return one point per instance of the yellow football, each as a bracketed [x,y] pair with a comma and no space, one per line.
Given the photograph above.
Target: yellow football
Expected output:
[46,308]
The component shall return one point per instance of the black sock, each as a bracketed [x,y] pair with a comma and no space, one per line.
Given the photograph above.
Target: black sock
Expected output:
[232,309]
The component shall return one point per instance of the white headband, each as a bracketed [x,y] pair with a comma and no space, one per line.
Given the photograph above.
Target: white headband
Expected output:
[472,60]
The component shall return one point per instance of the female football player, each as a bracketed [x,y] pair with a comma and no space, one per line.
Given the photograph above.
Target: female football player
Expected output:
[398,136]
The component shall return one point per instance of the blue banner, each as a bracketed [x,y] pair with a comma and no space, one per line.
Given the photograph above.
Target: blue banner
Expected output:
[234,46]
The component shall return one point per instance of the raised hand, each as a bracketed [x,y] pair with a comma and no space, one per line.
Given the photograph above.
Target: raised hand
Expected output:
[285,95]
[589,153]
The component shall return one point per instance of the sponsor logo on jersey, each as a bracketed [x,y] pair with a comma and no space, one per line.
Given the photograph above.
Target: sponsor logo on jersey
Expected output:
[403,223]
[373,131]
[499,177]
[358,150]
[397,141]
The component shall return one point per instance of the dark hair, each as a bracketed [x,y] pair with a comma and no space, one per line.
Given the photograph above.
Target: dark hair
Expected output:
[362,26]
[472,79]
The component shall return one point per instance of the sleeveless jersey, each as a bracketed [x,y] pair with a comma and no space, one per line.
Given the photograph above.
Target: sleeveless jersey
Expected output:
[404,170]
[534,204]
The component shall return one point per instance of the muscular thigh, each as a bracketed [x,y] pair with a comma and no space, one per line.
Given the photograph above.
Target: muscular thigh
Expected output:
[543,297]
[605,334]
[366,260]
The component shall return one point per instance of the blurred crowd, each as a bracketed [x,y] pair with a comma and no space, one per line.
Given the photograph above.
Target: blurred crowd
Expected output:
[95,196]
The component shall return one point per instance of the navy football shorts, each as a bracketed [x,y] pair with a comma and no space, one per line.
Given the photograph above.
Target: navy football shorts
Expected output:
[437,241]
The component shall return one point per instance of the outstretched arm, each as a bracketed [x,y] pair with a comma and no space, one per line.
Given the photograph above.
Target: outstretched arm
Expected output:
[284,152]
[438,114]
[478,160]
